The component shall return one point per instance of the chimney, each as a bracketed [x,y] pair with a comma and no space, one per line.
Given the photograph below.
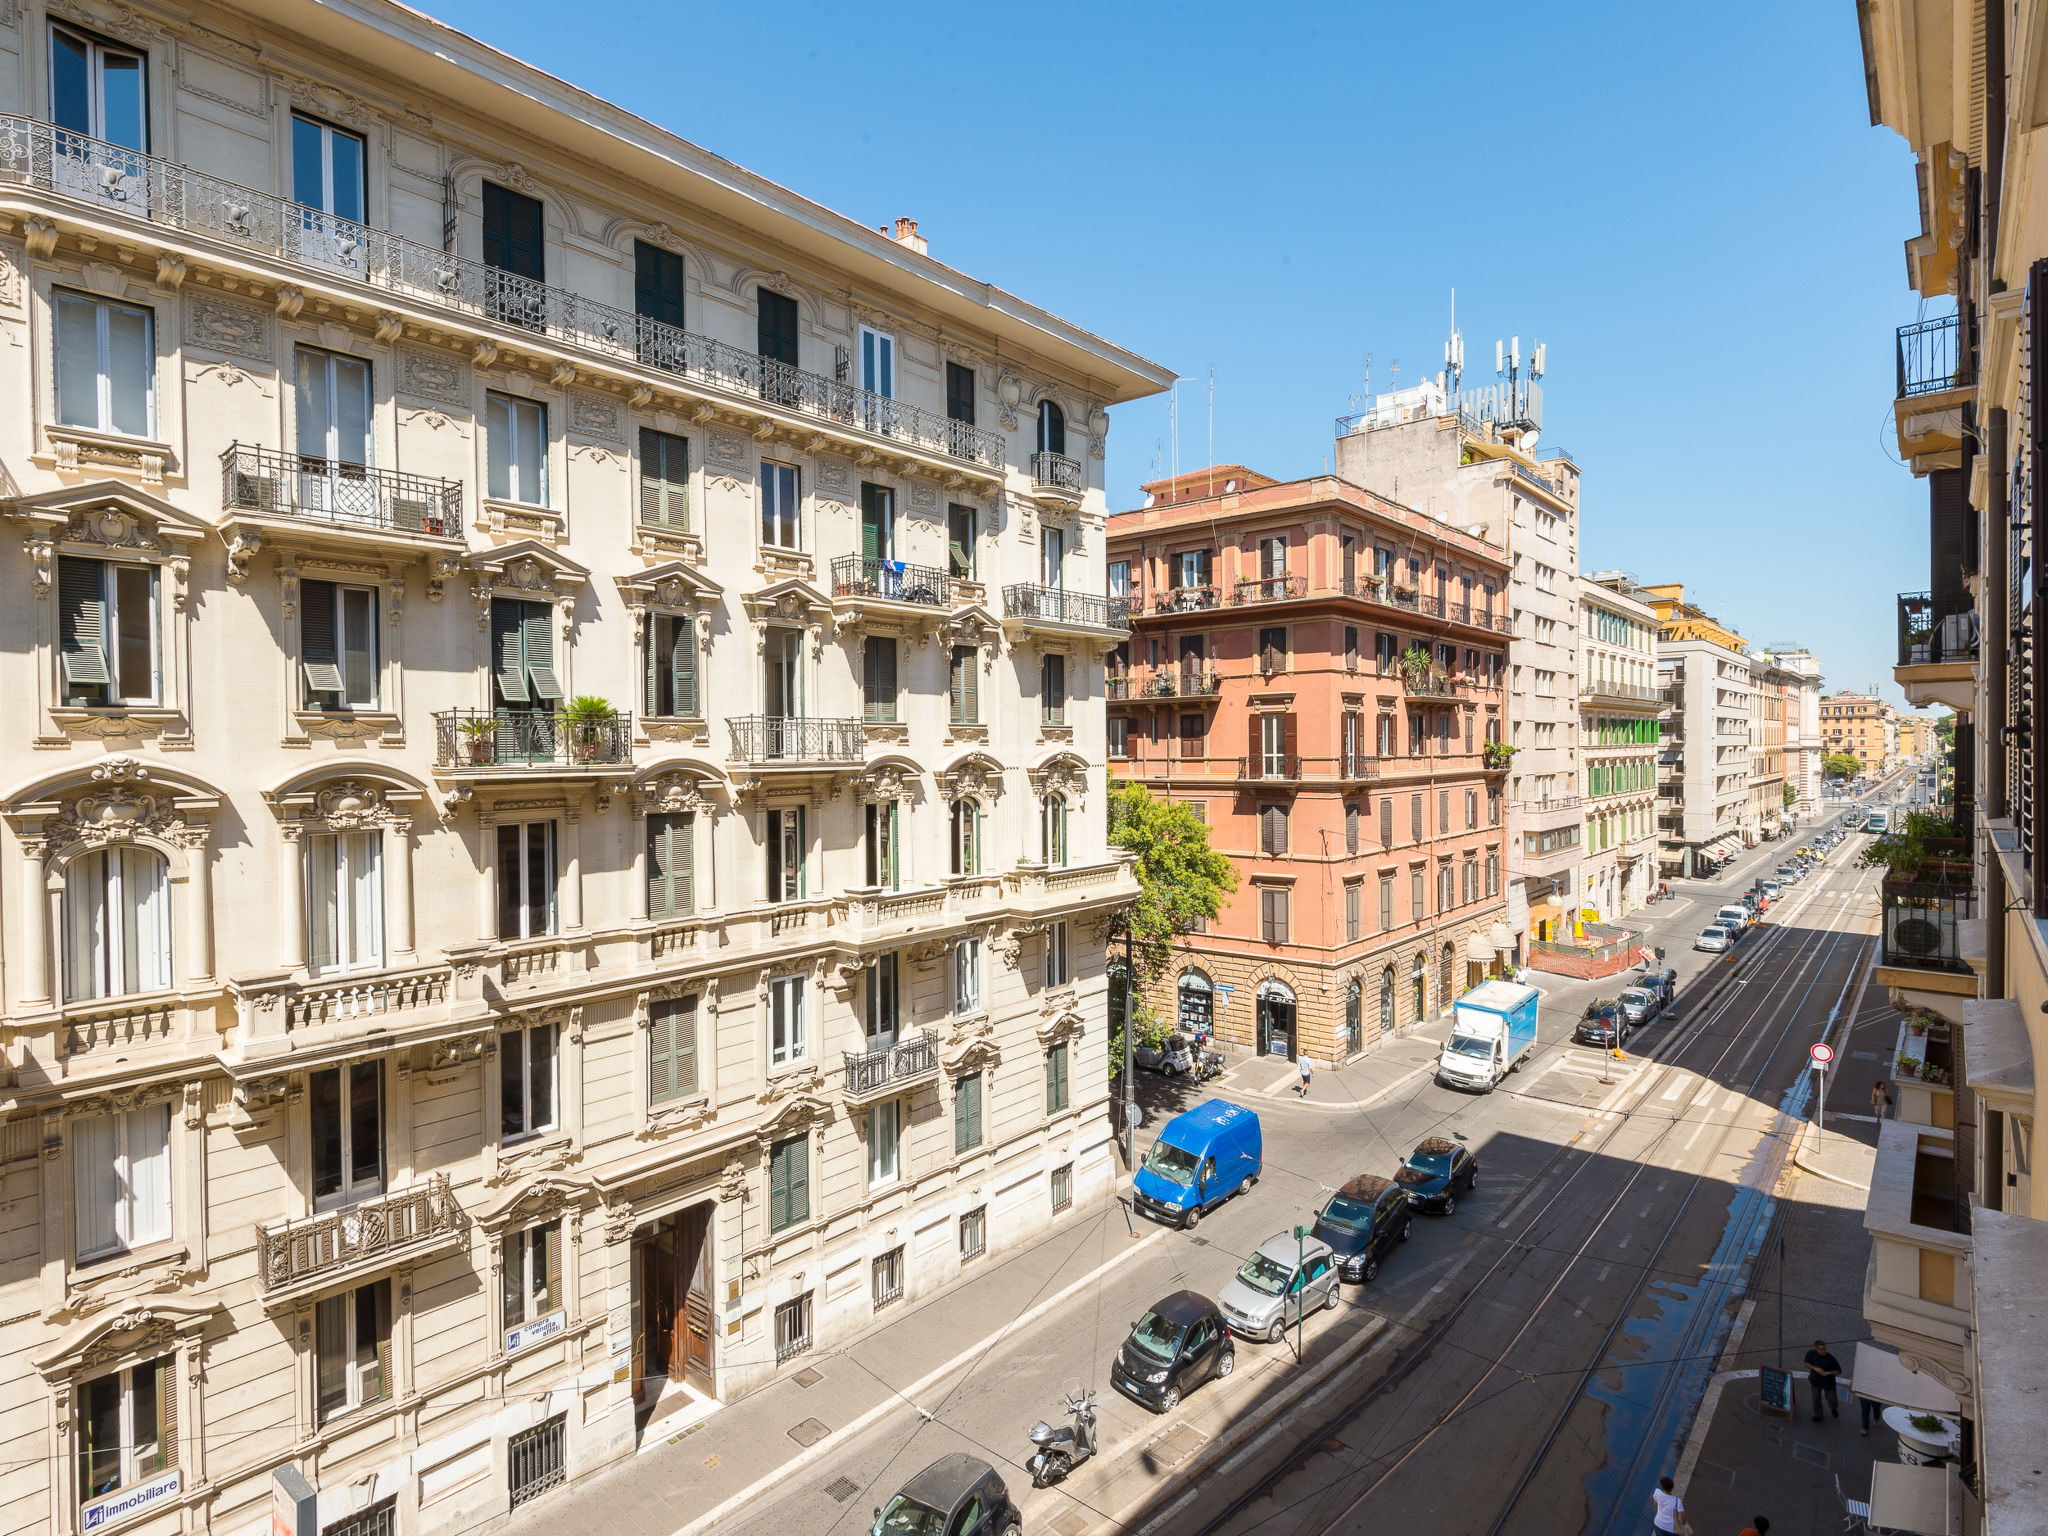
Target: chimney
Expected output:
[906,234]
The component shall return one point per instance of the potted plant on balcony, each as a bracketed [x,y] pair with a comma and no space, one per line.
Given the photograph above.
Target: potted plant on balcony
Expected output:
[479,733]
[1415,665]
[1924,848]
[1496,755]
[587,718]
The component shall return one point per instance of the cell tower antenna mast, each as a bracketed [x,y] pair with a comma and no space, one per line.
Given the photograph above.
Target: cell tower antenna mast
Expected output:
[1454,351]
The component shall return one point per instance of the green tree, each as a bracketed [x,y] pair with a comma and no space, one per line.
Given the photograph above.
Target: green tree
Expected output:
[1181,881]
[1791,795]
[1841,765]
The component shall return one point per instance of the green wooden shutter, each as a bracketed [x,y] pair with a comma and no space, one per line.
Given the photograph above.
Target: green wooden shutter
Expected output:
[537,631]
[664,479]
[661,1053]
[318,648]
[509,652]
[659,892]
[166,1371]
[870,522]
[683,865]
[683,1039]
[967,1114]
[82,621]
[650,647]
[683,668]
[778,1190]
[789,1184]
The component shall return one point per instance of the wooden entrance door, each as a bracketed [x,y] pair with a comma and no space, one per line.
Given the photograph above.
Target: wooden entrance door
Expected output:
[693,1273]
[655,1260]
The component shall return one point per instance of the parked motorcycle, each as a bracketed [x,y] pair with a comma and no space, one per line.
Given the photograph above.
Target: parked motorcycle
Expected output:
[1063,1449]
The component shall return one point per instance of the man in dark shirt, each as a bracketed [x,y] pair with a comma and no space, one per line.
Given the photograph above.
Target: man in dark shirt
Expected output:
[1821,1370]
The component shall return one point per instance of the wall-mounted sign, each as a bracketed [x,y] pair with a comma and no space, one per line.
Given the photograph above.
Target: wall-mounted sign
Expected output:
[123,1502]
[533,1332]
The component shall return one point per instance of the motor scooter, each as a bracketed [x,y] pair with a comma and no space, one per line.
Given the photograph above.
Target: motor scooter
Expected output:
[1063,1449]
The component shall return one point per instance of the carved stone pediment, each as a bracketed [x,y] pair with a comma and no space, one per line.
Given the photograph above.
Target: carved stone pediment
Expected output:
[534,1200]
[887,779]
[132,1332]
[975,776]
[676,792]
[1060,1023]
[1060,772]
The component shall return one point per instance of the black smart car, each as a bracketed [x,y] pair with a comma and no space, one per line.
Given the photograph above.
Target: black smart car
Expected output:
[1602,1023]
[1435,1173]
[1175,1347]
[1363,1220]
[954,1496]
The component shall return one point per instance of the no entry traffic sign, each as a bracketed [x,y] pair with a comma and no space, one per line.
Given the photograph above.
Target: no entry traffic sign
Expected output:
[1821,1055]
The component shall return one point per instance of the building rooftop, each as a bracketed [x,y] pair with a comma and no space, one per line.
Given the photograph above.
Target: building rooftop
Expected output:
[1270,497]
[2009,1272]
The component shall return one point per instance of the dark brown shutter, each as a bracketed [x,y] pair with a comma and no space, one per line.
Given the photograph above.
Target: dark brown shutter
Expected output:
[1252,721]
[1289,744]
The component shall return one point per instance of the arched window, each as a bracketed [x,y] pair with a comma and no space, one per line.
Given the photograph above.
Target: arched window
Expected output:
[1419,981]
[1443,976]
[1195,1002]
[1052,428]
[1387,1001]
[1354,1038]
[966,837]
[117,923]
[1052,831]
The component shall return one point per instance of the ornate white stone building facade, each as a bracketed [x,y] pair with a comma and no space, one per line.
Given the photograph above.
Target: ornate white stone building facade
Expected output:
[551,796]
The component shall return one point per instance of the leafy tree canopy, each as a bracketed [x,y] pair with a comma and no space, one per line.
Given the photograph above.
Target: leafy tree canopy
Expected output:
[1181,879]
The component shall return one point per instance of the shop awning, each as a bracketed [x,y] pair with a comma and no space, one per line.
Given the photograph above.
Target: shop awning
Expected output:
[1880,1376]
[1904,1498]
[1477,948]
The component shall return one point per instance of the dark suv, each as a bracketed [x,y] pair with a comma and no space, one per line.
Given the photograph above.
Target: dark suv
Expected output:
[1603,1024]
[954,1496]
[1362,1221]
[1173,1349]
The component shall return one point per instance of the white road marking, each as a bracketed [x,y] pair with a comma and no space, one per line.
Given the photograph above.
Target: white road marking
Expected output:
[1670,1095]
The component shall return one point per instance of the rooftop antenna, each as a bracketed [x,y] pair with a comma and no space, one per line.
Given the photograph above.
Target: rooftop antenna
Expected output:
[1212,429]
[1454,351]
[1173,429]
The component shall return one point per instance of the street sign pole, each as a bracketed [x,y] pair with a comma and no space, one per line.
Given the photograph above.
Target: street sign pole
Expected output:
[1820,1058]
[1301,1296]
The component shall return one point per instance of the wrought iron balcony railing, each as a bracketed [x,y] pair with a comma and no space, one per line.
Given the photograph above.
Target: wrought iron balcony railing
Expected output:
[1931,358]
[1934,631]
[167,195]
[893,580]
[1056,605]
[516,738]
[796,739]
[1186,599]
[317,1249]
[319,490]
[1116,685]
[1357,766]
[1270,767]
[871,1072]
[1057,472]
[1269,589]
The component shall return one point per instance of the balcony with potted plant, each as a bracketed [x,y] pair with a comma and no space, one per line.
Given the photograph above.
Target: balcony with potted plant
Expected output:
[586,737]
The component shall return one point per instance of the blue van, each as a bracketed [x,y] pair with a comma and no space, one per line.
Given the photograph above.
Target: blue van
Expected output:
[1201,1159]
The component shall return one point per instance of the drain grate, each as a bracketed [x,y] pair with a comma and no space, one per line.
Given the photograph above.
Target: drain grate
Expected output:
[1725,1476]
[809,1376]
[1174,1447]
[1199,1242]
[840,1489]
[809,1433]
[1072,1523]
[1812,1453]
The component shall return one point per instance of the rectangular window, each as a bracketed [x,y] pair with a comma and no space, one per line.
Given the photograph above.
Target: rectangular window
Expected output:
[1062,1187]
[338,646]
[106,365]
[786,1039]
[127,1430]
[1052,558]
[974,1233]
[1386,903]
[878,678]
[1350,648]
[966,838]
[786,845]
[880,998]
[1273,650]
[1057,973]
[1386,821]
[1493,807]
[781,506]
[1471,809]
[1416,908]
[883,842]
[533,1273]
[526,879]
[885,1129]
[671,866]
[526,1081]
[964,685]
[887,1283]
[107,632]
[1351,821]
[793,1328]
[967,976]
[121,1180]
[332,413]
[1272,829]
[1446,887]
[1273,914]
[878,362]
[967,1114]
[352,1348]
[97,89]
[517,431]
[664,479]
[1415,818]
[1443,810]
[671,681]
[671,1048]
[1354,909]
[775,329]
[117,923]
[344,901]
[523,668]
[959,393]
[345,1108]
[1119,584]
[513,238]
[1053,689]
[789,1188]
[1057,1088]
[960,540]
[1273,557]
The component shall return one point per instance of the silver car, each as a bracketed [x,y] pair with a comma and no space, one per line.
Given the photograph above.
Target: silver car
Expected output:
[1639,1005]
[1284,1279]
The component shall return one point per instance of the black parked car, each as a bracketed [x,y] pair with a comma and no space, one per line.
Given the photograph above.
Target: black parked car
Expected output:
[954,1496]
[1434,1174]
[1603,1023]
[1362,1221]
[1173,1349]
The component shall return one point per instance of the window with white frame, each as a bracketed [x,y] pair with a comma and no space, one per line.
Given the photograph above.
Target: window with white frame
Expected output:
[526,1081]
[345,1116]
[517,442]
[106,365]
[117,923]
[345,901]
[877,362]
[526,879]
[786,1039]
[966,839]
[671,682]
[967,1124]
[352,1349]
[1057,973]
[881,999]
[784,835]
[327,168]
[121,1180]
[127,1428]
[781,506]
[882,841]
[533,1273]
[1052,689]
[671,866]
[331,404]
[967,976]
[338,646]
[1052,831]
[108,646]
[885,1127]
[98,89]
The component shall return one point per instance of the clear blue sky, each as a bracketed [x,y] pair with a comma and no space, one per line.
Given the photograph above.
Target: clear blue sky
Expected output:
[1687,204]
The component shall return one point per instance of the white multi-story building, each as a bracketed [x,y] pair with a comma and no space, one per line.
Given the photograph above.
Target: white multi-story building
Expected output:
[554,836]
[1472,461]
[1703,778]
[1621,703]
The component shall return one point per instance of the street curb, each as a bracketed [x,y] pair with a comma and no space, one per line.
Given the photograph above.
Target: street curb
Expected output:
[1703,1421]
[903,1397]
[1821,1173]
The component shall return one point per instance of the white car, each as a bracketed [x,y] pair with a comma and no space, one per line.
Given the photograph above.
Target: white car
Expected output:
[1713,940]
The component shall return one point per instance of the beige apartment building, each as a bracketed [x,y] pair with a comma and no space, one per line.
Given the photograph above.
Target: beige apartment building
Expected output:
[1470,459]
[1620,705]
[1861,725]
[553,811]
[1798,677]
[1771,688]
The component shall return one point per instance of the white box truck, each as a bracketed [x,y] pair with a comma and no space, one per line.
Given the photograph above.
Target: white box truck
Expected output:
[1493,1031]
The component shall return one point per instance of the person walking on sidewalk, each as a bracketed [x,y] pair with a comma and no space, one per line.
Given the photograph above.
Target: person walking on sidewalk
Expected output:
[1821,1370]
[1880,1099]
[1758,1526]
[1667,1509]
[1308,1071]
[1866,1410]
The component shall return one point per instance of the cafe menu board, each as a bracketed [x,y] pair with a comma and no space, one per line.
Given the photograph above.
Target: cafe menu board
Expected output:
[1774,1391]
